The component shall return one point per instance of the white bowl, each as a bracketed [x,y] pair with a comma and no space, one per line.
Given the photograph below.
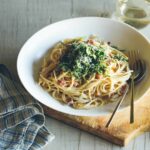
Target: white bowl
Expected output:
[120,34]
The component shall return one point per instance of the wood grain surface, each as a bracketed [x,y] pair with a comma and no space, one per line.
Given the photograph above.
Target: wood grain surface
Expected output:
[19,19]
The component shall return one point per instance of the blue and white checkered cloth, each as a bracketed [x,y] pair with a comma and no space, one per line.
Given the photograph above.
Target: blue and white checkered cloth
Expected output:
[21,117]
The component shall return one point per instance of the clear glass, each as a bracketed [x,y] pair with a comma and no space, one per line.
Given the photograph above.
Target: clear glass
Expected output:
[133,12]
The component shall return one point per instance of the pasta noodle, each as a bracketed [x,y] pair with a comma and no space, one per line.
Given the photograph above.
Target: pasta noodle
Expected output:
[78,88]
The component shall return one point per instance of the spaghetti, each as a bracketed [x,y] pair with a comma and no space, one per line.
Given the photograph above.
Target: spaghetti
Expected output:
[85,73]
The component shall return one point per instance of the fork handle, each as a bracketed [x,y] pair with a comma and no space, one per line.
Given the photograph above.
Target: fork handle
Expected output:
[132,101]
[116,108]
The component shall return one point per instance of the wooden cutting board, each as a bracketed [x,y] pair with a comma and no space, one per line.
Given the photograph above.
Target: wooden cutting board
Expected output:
[120,132]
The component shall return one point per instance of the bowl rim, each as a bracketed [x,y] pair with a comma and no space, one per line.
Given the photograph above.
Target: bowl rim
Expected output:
[68,20]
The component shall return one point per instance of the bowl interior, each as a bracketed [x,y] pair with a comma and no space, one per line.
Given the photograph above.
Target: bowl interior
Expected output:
[119,34]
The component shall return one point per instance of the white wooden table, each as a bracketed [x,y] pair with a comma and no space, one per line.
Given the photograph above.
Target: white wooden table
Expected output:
[19,19]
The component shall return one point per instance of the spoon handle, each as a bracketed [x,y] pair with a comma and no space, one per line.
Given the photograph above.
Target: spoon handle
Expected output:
[132,101]
[116,108]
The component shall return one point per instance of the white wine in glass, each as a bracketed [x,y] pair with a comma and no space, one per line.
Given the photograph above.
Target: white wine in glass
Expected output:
[134,12]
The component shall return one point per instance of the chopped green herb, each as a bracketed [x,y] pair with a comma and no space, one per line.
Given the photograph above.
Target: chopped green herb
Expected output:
[83,59]
[120,57]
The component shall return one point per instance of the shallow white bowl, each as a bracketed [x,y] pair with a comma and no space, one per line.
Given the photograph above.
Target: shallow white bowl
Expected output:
[119,34]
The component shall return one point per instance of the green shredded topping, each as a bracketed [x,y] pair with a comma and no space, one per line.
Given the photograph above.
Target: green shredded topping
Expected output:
[83,59]
[120,57]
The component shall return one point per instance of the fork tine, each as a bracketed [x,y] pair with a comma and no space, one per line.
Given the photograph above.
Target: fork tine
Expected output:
[142,65]
[142,71]
[137,61]
[133,58]
[136,64]
[130,54]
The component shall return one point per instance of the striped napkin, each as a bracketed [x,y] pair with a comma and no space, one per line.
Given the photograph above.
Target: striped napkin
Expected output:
[21,117]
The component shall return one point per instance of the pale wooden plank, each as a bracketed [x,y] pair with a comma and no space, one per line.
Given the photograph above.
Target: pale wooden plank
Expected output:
[92,7]
[9,30]
[140,143]
[102,144]
[146,141]
[60,7]
[67,138]
[19,20]
[59,18]
[87,141]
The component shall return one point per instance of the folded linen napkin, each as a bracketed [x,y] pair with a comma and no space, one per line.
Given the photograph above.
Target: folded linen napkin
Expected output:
[21,117]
